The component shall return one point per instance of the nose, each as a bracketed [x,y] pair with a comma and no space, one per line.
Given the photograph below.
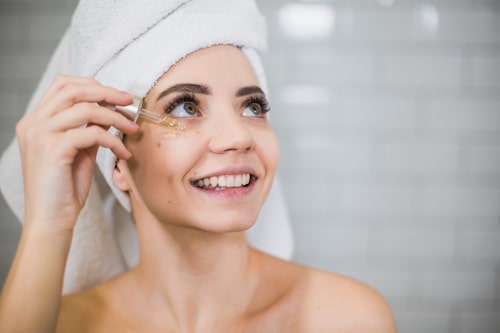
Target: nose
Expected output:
[230,133]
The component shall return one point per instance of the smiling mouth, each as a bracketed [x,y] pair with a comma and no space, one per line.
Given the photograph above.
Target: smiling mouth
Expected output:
[217,183]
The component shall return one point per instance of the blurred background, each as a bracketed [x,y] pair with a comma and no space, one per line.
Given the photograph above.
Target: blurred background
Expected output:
[388,113]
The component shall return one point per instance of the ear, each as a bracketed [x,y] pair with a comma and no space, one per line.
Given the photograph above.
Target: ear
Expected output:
[121,176]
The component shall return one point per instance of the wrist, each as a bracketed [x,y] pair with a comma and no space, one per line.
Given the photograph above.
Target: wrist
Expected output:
[48,227]
[37,232]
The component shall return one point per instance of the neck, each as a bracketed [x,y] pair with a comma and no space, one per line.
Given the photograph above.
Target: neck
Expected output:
[197,276]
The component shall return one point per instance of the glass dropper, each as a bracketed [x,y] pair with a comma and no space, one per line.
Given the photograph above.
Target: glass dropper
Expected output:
[135,111]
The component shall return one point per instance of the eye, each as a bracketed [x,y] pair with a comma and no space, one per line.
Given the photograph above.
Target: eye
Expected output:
[256,106]
[183,107]
[253,110]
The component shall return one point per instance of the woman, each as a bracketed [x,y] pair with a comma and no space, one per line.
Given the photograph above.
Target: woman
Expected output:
[193,193]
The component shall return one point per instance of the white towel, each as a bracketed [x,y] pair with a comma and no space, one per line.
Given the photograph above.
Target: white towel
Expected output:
[129,44]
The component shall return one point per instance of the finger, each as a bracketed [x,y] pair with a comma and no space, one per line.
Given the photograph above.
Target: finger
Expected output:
[73,93]
[88,137]
[59,82]
[88,113]
[62,80]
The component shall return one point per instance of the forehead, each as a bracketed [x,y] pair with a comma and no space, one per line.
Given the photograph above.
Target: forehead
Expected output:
[221,67]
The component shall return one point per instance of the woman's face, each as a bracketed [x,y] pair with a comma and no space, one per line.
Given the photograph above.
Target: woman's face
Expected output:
[216,172]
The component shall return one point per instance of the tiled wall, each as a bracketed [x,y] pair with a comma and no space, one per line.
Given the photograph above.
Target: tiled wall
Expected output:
[388,112]
[390,131]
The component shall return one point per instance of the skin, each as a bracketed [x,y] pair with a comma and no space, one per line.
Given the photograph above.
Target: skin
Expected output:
[196,272]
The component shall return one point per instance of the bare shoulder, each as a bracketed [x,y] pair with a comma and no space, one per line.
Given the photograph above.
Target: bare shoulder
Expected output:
[319,301]
[335,303]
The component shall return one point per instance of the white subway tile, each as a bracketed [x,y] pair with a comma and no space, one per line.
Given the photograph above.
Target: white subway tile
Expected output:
[422,321]
[334,241]
[47,27]
[481,159]
[421,157]
[391,284]
[463,115]
[304,196]
[482,243]
[318,153]
[8,125]
[414,241]
[460,201]
[378,26]
[307,118]
[418,71]
[22,66]
[469,27]
[376,200]
[487,321]
[10,104]
[328,69]
[11,27]
[486,71]
[5,139]
[379,114]
[277,67]
[458,286]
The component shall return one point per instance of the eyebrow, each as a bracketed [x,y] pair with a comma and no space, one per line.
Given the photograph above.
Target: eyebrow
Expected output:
[186,88]
[205,90]
[249,91]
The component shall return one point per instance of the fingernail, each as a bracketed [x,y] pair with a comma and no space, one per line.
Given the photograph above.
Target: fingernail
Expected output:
[125,93]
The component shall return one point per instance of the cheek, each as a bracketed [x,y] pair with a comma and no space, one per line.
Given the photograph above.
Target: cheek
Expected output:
[269,149]
[163,156]
[159,167]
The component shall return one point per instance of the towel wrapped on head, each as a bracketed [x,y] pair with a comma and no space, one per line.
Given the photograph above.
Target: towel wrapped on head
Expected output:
[129,45]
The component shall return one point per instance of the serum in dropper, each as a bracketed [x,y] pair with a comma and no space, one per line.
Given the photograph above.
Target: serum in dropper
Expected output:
[135,111]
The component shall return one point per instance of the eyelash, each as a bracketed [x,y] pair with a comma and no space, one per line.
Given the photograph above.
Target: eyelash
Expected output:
[184,98]
[259,99]
[187,97]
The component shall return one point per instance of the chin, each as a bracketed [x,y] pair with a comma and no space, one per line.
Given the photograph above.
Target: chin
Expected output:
[228,222]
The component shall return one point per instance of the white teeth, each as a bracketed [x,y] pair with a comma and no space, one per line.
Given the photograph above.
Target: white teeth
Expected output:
[230,181]
[224,181]
[237,181]
[214,181]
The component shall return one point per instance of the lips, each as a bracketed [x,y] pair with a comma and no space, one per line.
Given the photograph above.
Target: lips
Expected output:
[221,182]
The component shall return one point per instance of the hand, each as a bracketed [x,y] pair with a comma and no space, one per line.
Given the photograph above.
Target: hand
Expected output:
[58,142]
